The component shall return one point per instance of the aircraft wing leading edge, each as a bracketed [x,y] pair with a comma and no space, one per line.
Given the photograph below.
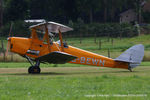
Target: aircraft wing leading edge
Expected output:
[56,57]
[52,27]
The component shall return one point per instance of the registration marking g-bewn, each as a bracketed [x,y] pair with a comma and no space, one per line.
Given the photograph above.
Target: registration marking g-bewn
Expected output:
[89,60]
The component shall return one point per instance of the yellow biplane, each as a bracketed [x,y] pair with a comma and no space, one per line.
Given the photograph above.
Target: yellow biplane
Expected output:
[45,50]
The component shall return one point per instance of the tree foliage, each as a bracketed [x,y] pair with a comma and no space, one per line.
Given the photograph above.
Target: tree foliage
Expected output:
[65,10]
[81,14]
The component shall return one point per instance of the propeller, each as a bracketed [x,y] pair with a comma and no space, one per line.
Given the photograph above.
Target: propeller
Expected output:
[9,39]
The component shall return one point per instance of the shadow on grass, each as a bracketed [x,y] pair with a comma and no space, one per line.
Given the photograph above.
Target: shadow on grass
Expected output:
[70,73]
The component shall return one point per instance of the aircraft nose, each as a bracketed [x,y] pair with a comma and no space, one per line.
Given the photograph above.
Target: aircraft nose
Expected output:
[8,39]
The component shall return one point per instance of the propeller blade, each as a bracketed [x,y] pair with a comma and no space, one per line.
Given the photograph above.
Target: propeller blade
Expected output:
[8,47]
[8,43]
[10,35]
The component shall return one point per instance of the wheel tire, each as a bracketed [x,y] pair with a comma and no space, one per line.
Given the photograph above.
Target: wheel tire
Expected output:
[30,70]
[34,70]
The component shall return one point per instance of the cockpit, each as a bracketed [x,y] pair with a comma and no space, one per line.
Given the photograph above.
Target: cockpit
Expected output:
[47,31]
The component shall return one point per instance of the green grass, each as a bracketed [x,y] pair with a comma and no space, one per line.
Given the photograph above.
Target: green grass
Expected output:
[26,65]
[145,64]
[69,82]
[75,83]
[89,43]
[72,88]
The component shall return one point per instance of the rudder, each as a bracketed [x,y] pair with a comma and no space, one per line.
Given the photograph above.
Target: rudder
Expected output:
[134,55]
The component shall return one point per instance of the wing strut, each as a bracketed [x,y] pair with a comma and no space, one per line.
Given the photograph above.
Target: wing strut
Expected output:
[47,37]
[61,41]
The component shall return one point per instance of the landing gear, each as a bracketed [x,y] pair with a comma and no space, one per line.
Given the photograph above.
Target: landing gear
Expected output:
[33,69]
[130,69]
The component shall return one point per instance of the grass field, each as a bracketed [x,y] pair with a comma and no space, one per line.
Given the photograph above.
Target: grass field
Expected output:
[74,83]
[79,82]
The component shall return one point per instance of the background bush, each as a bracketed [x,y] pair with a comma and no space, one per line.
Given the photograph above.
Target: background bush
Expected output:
[100,29]
[20,28]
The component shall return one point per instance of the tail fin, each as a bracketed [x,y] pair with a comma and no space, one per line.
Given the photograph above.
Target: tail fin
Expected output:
[134,55]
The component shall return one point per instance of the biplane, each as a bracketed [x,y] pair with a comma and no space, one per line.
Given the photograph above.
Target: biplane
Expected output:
[45,50]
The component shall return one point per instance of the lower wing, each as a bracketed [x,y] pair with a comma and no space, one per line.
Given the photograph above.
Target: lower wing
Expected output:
[56,57]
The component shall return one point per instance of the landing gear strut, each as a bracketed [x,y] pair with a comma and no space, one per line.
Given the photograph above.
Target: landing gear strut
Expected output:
[33,69]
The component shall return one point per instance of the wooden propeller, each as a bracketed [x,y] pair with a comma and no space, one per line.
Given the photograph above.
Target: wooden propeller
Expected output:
[9,39]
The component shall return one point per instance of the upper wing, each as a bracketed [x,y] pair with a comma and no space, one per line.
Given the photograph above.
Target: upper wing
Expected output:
[56,57]
[52,27]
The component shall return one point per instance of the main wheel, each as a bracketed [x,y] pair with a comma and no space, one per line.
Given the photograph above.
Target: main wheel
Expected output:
[34,70]
[30,69]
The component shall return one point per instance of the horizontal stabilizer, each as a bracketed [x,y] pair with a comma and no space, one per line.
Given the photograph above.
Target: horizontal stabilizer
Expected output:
[133,55]
[56,57]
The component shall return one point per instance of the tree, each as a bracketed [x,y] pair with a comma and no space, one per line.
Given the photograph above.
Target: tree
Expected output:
[64,10]
[139,10]
[48,9]
[105,10]
[1,13]
[16,10]
[88,8]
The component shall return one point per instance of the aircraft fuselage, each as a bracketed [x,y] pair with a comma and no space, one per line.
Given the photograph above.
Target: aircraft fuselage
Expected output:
[36,48]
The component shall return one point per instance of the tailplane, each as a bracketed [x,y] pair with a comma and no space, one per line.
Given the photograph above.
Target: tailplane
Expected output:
[134,55]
